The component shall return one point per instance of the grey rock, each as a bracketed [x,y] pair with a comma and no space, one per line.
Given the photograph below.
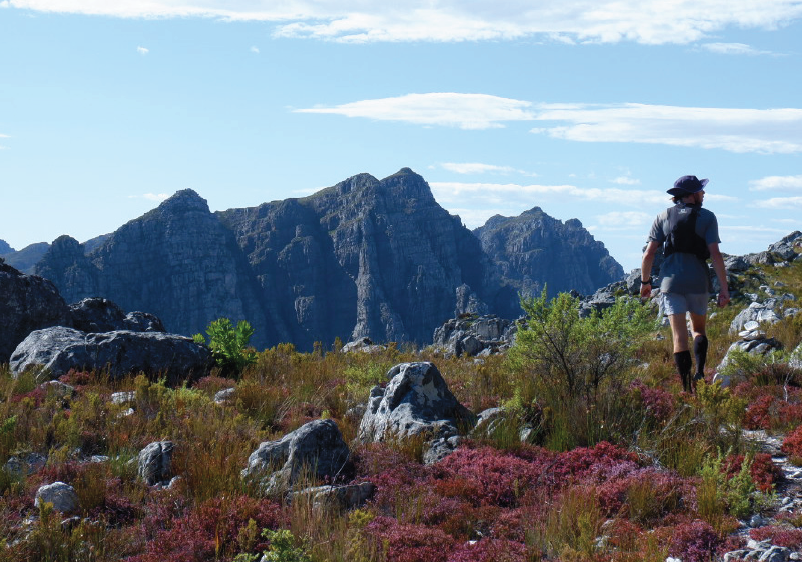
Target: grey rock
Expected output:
[27,303]
[124,397]
[58,388]
[224,395]
[154,462]
[61,495]
[347,497]
[25,464]
[755,312]
[776,554]
[440,448]
[474,335]
[363,344]
[784,249]
[759,346]
[736,264]
[416,401]
[54,351]
[97,314]
[316,449]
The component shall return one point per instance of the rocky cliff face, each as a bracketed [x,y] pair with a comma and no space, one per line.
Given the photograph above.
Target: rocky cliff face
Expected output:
[534,250]
[25,259]
[5,248]
[364,258]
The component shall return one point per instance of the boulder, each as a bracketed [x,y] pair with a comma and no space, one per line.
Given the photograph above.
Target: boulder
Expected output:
[416,402]
[755,312]
[753,342]
[342,497]
[154,463]
[471,335]
[95,314]
[363,344]
[54,351]
[316,449]
[27,303]
[61,495]
[785,249]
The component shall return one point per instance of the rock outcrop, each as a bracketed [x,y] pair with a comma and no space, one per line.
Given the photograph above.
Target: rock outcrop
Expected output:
[474,335]
[155,461]
[416,403]
[27,303]
[53,352]
[534,250]
[315,450]
[365,258]
[25,259]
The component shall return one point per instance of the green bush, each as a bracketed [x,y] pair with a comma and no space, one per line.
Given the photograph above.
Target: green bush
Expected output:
[229,345]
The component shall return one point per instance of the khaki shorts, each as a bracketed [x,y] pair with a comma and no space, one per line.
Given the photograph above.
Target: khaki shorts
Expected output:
[676,303]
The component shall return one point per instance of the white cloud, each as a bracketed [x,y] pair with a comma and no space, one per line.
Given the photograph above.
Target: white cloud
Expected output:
[763,131]
[142,51]
[255,49]
[569,21]
[625,180]
[151,196]
[780,203]
[5,4]
[466,111]
[621,220]
[498,194]
[777,183]
[478,168]
[733,49]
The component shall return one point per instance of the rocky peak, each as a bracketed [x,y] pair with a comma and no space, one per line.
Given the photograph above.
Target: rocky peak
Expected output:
[5,248]
[183,201]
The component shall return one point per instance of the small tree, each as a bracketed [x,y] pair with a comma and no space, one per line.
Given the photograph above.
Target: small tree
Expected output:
[229,345]
[569,361]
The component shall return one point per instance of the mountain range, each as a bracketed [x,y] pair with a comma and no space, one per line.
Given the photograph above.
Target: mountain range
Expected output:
[363,258]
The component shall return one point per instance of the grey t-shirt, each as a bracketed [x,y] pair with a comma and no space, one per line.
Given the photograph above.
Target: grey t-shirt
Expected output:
[681,272]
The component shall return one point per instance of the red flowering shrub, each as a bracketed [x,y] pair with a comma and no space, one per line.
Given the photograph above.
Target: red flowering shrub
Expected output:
[493,476]
[198,535]
[599,463]
[792,444]
[644,495]
[694,541]
[763,471]
[489,550]
[759,413]
[781,536]
[410,543]
[790,415]
[658,403]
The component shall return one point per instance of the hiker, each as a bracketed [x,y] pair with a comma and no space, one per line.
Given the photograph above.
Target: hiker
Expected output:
[690,236]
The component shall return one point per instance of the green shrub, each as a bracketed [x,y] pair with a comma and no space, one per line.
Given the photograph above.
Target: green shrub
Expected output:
[229,345]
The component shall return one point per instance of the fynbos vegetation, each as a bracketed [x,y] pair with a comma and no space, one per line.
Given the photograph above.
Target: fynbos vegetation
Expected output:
[596,453]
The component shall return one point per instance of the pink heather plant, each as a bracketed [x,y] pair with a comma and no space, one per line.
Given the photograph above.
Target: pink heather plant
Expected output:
[694,541]
[410,543]
[780,536]
[489,550]
[792,444]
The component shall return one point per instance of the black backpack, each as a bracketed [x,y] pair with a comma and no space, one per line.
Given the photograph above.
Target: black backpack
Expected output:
[682,235]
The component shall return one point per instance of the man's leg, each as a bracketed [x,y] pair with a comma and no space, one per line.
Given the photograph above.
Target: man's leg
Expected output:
[698,322]
[682,356]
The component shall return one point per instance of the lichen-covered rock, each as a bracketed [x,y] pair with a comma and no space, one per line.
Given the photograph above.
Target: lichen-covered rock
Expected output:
[54,351]
[27,303]
[346,497]
[471,335]
[415,402]
[154,462]
[61,495]
[316,450]
[95,314]
[753,342]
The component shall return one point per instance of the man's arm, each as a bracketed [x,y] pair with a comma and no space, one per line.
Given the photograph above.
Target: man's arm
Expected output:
[646,267]
[721,274]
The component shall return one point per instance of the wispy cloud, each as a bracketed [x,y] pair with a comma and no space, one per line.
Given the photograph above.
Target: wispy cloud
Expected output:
[569,21]
[734,49]
[624,220]
[159,197]
[780,203]
[625,180]
[466,111]
[479,168]
[255,49]
[142,51]
[777,183]
[498,193]
[763,131]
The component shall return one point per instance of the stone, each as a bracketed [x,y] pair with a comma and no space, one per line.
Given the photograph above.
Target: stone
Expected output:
[97,314]
[755,312]
[54,351]
[364,345]
[61,495]
[474,335]
[154,462]
[758,346]
[224,395]
[23,465]
[415,402]
[315,450]
[27,303]
[347,497]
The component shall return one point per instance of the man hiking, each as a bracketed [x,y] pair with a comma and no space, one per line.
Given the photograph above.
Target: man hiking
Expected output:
[689,235]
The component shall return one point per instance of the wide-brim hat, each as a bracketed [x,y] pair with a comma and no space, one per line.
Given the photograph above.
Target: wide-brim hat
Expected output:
[687,185]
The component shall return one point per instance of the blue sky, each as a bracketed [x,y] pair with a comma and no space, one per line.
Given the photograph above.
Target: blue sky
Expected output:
[589,109]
